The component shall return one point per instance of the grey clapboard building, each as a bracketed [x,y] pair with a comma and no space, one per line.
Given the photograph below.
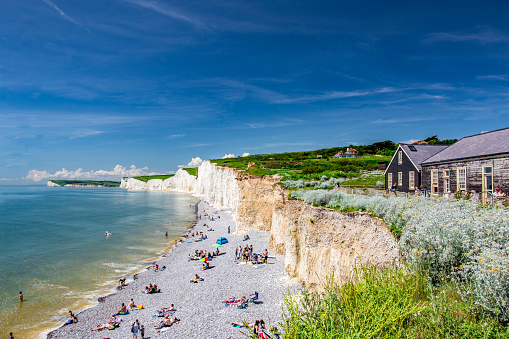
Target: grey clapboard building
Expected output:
[478,162]
[405,166]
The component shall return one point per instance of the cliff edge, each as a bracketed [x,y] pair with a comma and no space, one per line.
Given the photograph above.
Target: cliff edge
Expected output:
[315,241]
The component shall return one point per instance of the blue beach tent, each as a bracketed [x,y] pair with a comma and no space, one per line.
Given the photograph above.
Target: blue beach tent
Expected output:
[222,240]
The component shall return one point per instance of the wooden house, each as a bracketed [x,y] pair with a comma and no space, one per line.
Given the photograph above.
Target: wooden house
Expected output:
[349,153]
[405,166]
[479,162]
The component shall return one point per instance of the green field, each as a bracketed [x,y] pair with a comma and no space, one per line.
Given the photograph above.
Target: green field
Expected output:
[146,178]
[192,171]
[307,165]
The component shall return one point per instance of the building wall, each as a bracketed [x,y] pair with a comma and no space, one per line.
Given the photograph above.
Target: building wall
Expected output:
[405,167]
[474,173]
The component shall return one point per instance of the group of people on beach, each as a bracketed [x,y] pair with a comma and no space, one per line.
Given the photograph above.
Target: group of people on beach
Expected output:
[259,329]
[152,288]
[246,254]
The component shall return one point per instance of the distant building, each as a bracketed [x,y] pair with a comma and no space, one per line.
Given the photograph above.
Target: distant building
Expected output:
[420,142]
[478,162]
[405,166]
[349,153]
[319,156]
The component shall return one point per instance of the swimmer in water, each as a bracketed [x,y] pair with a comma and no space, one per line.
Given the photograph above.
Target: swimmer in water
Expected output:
[166,234]
[20,296]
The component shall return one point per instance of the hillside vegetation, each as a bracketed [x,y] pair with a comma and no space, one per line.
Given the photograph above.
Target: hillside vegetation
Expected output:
[146,178]
[87,182]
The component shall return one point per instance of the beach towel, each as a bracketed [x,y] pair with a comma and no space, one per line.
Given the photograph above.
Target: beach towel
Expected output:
[239,326]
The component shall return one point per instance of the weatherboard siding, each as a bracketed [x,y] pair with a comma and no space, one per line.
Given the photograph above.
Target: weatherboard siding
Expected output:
[474,173]
[405,167]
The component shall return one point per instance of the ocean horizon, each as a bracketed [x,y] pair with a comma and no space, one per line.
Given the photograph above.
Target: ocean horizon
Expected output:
[53,247]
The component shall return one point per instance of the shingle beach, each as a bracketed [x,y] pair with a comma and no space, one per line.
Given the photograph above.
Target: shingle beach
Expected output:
[199,306]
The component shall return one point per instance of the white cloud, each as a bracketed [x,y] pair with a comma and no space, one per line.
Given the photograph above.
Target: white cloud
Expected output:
[175,136]
[411,141]
[245,154]
[195,162]
[117,172]
[227,156]
[62,14]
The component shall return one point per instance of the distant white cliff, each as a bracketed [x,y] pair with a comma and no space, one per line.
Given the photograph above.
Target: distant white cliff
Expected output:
[216,185]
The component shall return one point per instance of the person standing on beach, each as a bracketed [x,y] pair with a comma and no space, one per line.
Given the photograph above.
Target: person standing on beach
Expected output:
[11,336]
[228,229]
[134,329]
[142,332]
[20,296]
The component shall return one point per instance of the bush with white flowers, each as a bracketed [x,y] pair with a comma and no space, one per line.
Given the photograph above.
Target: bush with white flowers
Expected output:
[451,238]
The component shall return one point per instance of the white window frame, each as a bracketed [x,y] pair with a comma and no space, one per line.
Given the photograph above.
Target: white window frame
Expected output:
[411,180]
[434,182]
[400,157]
[460,182]
[389,180]
[447,181]
[400,179]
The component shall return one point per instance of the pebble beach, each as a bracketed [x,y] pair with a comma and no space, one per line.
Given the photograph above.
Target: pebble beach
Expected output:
[199,307]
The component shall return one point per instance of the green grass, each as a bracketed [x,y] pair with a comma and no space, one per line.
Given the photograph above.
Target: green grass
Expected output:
[385,303]
[87,182]
[192,171]
[150,177]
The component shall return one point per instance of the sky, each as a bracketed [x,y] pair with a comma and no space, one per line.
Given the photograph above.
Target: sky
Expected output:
[109,88]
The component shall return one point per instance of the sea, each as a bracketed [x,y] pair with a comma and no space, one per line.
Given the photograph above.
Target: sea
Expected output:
[54,249]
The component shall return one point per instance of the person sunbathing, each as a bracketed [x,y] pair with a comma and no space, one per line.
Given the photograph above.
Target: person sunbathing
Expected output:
[147,290]
[131,304]
[122,310]
[166,309]
[100,327]
[166,323]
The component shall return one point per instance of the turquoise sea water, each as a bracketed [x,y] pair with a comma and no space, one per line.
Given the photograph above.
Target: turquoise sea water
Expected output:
[53,247]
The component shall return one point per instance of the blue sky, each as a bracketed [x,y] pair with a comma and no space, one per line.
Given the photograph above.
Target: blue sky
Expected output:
[117,87]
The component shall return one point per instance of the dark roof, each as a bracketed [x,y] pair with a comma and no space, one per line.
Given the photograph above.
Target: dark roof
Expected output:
[484,144]
[422,152]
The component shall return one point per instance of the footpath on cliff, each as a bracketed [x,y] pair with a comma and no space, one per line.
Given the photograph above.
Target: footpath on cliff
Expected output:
[199,305]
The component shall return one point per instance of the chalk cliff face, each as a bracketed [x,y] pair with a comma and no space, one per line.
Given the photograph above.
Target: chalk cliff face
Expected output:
[51,184]
[315,241]
[319,241]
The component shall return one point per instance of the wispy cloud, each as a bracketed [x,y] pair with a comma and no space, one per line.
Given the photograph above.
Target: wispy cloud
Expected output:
[337,95]
[280,144]
[280,123]
[62,14]
[483,36]
[166,11]
[503,77]
[175,136]
[84,133]
[117,172]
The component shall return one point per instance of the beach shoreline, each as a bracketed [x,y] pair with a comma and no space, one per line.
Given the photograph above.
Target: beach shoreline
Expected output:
[198,305]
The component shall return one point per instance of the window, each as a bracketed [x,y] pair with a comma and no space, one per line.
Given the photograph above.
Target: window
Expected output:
[400,157]
[434,181]
[462,178]
[412,148]
[447,181]
[411,180]
[487,178]
[400,178]
[389,180]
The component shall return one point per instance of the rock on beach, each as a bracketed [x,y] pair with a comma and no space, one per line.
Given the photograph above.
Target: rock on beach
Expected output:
[199,306]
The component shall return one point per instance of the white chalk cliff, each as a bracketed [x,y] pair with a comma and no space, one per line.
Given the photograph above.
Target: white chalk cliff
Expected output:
[315,241]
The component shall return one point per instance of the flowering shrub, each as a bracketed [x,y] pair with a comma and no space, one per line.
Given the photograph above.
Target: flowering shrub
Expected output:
[447,236]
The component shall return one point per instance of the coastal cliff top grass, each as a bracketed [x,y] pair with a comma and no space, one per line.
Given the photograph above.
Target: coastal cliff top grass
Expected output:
[314,164]
[87,182]
[146,178]
[192,171]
